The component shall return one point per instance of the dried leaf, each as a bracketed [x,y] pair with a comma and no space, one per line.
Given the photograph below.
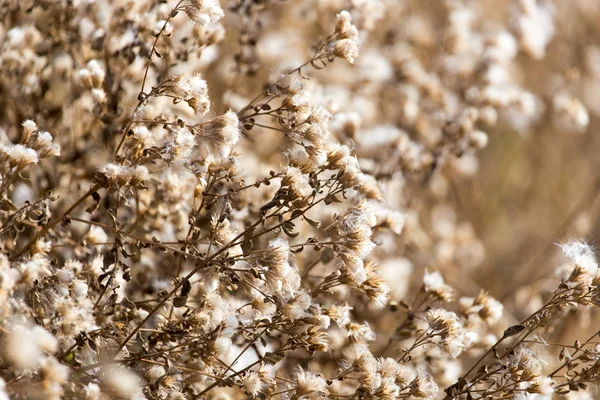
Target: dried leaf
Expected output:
[312,222]
[179,301]
[273,358]
[186,288]
[513,330]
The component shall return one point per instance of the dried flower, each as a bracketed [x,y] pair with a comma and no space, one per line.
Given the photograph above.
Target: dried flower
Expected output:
[194,246]
[451,333]
[189,87]
[204,12]
[486,307]
[19,156]
[343,42]
[433,283]
[310,385]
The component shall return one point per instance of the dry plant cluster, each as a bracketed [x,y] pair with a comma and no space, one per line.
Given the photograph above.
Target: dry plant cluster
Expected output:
[252,199]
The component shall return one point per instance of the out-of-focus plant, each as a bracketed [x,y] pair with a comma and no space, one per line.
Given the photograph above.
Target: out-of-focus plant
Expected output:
[251,200]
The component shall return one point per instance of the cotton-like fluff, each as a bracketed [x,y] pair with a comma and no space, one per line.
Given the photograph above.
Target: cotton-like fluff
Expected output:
[25,345]
[343,43]
[204,12]
[583,267]
[446,330]
[122,382]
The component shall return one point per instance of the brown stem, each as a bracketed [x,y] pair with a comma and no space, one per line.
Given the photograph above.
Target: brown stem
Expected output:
[58,220]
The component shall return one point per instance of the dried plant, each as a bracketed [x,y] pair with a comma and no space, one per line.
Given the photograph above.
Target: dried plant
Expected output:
[262,199]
